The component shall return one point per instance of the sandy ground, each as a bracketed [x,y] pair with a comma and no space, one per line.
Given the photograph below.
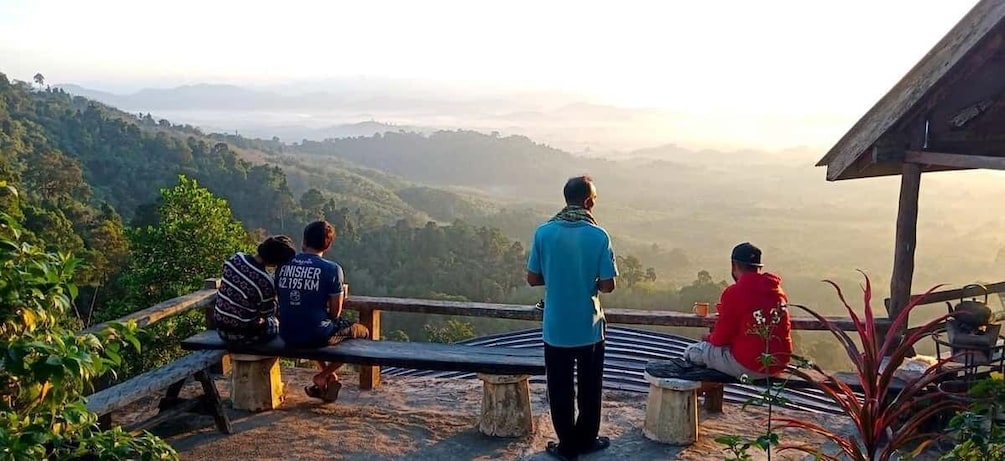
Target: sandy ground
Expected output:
[432,419]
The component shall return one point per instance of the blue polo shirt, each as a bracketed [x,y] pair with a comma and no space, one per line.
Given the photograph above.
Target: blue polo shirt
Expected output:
[572,257]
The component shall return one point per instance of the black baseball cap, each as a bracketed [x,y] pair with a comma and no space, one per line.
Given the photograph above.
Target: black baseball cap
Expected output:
[746,253]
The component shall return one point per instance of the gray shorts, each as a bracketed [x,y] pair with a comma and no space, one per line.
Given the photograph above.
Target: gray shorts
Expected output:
[718,358]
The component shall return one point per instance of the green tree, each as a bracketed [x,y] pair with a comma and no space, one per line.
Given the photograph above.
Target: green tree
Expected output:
[312,201]
[194,234]
[450,332]
[703,289]
[46,368]
[39,79]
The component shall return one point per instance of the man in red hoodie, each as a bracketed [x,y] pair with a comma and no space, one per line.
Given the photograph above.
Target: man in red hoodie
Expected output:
[752,335]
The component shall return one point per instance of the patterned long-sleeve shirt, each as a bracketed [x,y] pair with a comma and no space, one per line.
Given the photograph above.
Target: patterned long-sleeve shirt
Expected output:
[245,309]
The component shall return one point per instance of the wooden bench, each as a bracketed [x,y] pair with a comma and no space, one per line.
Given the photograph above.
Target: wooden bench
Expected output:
[173,377]
[674,386]
[506,410]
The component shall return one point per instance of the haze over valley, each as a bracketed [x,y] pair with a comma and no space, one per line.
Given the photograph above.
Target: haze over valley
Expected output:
[436,166]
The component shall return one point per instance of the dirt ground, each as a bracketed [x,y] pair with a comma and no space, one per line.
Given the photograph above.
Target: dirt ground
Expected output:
[432,419]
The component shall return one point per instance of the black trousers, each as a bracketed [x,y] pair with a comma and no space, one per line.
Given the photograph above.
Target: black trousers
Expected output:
[575,433]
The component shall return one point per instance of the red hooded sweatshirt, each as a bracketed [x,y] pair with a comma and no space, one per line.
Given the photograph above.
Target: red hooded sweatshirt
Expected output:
[751,318]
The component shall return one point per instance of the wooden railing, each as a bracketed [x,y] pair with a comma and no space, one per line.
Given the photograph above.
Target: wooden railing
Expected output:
[202,299]
[952,295]
[370,308]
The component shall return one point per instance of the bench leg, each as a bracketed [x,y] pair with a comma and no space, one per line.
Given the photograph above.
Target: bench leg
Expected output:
[222,368]
[171,396]
[506,408]
[369,376]
[212,398]
[256,382]
[672,411]
[714,393]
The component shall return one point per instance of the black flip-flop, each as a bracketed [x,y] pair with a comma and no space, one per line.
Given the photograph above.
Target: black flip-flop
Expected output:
[331,391]
[601,443]
[552,449]
[313,391]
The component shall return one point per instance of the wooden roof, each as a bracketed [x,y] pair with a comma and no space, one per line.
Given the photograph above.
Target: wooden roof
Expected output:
[947,113]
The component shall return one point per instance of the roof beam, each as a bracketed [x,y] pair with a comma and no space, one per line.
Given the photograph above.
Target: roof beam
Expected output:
[954,160]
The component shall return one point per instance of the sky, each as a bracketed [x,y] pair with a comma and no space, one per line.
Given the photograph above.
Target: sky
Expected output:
[772,58]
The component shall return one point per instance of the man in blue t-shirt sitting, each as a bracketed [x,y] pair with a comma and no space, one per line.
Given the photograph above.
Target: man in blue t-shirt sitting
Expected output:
[572,257]
[311,292]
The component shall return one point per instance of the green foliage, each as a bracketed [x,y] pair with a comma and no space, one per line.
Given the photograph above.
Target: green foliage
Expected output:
[632,271]
[451,332]
[980,430]
[978,439]
[195,232]
[736,447]
[46,369]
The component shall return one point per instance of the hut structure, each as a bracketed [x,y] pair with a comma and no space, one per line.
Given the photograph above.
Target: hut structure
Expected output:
[947,113]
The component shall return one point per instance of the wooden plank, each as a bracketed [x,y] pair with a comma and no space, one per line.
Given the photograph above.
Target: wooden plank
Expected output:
[961,161]
[519,312]
[953,295]
[120,395]
[201,299]
[672,369]
[422,356]
[906,239]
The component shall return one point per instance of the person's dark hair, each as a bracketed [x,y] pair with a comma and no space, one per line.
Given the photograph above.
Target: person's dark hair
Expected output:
[276,250]
[577,190]
[319,235]
[747,267]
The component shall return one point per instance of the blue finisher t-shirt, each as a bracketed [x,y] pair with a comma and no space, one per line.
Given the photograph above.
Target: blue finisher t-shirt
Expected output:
[572,257]
[304,286]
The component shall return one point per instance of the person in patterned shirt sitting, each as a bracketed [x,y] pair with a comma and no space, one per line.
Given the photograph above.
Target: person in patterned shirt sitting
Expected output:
[245,310]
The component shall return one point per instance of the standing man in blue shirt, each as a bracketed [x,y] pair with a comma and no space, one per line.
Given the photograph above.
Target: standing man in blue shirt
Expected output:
[311,291]
[572,257]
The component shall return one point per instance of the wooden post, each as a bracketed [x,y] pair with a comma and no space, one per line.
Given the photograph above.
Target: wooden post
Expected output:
[256,383]
[506,408]
[906,241]
[369,376]
[714,394]
[672,411]
[224,366]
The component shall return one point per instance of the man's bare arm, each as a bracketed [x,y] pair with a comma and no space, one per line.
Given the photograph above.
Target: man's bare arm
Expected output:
[534,279]
[335,305]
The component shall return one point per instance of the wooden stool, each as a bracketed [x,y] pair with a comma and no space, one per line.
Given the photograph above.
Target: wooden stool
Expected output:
[672,411]
[256,382]
[506,408]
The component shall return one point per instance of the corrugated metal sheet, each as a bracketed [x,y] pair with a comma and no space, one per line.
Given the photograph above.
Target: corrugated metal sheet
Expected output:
[628,351]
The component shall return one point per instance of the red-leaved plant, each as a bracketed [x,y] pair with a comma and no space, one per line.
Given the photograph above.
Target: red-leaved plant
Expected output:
[887,418]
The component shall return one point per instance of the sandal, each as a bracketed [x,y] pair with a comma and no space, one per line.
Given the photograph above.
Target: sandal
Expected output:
[553,449]
[331,391]
[600,443]
[313,391]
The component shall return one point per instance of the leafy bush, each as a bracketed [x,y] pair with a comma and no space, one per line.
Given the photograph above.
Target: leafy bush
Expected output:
[977,440]
[46,369]
[451,332]
[979,433]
